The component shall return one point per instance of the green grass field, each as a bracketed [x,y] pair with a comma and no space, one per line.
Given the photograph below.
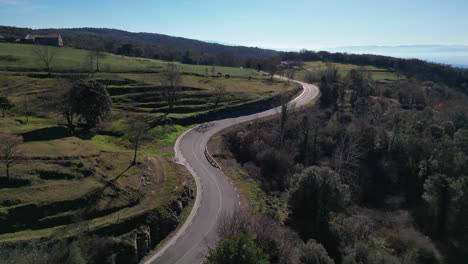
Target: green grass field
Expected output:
[55,192]
[70,59]
[380,74]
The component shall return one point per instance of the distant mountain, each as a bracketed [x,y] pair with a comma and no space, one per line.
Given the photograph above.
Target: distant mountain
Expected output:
[148,45]
[456,55]
[460,66]
[221,43]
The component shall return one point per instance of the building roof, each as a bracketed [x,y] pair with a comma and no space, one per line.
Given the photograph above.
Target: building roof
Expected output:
[34,36]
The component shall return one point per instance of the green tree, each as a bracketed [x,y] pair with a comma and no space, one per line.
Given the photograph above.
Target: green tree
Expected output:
[438,195]
[461,138]
[5,104]
[93,102]
[459,223]
[326,93]
[314,253]
[236,250]
[316,192]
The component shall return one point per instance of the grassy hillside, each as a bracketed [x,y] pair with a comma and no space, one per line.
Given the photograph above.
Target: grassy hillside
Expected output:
[380,74]
[65,184]
[70,59]
[148,45]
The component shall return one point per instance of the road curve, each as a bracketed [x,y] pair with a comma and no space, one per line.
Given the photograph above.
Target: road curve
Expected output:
[215,194]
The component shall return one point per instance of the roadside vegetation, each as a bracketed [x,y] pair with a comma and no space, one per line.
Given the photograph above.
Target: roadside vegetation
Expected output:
[374,172]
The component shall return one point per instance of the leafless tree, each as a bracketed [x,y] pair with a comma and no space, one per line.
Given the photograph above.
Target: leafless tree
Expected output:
[219,93]
[330,72]
[171,80]
[281,71]
[213,71]
[347,157]
[284,116]
[290,74]
[137,134]
[232,224]
[207,73]
[266,231]
[341,104]
[273,66]
[26,107]
[65,102]
[44,55]
[10,150]
[94,56]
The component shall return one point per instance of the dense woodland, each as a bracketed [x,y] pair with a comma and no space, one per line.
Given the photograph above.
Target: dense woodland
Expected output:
[376,172]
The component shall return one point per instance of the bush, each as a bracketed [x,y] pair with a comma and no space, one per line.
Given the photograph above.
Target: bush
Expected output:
[314,253]
[237,249]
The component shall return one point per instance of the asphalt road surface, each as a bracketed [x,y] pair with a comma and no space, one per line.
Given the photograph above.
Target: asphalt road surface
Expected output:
[215,194]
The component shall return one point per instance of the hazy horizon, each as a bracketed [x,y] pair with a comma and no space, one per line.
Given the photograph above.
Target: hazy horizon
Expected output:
[270,24]
[356,27]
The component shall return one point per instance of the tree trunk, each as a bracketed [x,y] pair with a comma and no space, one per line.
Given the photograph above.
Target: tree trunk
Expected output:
[8,171]
[135,154]
[97,62]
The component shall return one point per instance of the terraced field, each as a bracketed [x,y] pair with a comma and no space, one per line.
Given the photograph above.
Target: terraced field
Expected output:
[65,185]
[141,93]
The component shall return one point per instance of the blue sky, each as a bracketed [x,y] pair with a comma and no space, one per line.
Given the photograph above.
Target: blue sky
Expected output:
[292,24]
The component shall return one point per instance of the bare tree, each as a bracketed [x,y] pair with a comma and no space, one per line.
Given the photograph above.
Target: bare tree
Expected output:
[219,93]
[171,80]
[330,72]
[290,74]
[284,116]
[213,71]
[207,73]
[137,134]
[65,102]
[281,71]
[272,66]
[347,157]
[44,55]
[10,150]
[94,56]
[26,108]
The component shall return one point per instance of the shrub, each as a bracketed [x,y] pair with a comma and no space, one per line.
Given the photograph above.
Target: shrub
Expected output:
[237,249]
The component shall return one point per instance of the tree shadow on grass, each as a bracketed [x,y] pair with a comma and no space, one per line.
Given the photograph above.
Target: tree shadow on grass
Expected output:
[6,183]
[48,133]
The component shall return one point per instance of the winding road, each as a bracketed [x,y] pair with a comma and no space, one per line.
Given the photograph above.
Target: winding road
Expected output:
[215,193]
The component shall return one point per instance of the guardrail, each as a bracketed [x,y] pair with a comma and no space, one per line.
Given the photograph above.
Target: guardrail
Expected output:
[210,159]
